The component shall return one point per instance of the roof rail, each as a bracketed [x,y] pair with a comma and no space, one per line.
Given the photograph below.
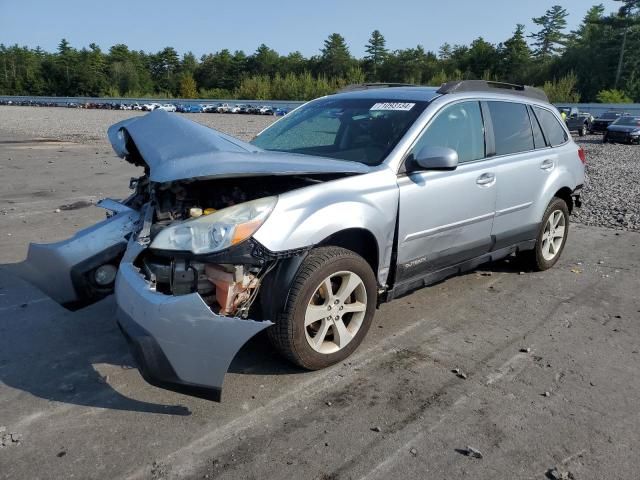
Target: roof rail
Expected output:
[458,86]
[368,86]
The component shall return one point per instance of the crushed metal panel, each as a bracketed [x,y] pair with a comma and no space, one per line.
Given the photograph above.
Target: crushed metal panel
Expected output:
[48,265]
[178,340]
[175,148]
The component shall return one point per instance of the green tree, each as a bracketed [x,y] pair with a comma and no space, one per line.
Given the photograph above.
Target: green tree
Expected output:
[376,53]
[562,90]
[550,39]
[188,87]
[336,58]
[515,57]
[613,96]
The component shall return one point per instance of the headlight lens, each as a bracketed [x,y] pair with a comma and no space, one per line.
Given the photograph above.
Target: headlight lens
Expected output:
[636,132]
[217,231]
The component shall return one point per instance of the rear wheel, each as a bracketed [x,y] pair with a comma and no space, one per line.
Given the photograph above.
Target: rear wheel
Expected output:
[552,237]
[329,309]
[583,131]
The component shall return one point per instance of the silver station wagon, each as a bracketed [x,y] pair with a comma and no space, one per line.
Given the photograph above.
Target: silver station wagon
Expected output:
[349,201]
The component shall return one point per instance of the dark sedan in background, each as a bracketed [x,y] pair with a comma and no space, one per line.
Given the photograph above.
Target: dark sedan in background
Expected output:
[624,130]
[601,123]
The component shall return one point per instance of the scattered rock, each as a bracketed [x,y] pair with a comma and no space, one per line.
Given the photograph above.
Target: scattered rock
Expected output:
[546,394]
[470,452]
[413,451]
[57,210]
[600,262]
[376,429]
[558,474]
[61,454]
[521,273]
[328,404]
[459,373]
[525,350]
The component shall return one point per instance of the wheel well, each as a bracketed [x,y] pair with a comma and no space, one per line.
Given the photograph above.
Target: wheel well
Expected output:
[357,240]
[565,194]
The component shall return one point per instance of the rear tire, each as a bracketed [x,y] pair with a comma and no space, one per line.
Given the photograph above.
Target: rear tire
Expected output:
[583,131]
[329,309]
[552,237]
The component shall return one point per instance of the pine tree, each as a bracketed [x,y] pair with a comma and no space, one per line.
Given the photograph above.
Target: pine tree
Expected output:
[376,52]
[515,57]
[336,59]
[550,39]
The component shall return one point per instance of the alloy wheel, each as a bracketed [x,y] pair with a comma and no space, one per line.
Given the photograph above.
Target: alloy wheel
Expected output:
[335,312]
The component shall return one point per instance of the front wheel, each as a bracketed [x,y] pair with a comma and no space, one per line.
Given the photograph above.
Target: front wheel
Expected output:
[552,237]
[329,309]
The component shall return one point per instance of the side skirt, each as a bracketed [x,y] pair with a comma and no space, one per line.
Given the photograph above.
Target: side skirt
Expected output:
[407,286]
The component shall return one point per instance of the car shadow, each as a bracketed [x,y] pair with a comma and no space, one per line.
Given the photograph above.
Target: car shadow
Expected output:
[258,357]
[57,355]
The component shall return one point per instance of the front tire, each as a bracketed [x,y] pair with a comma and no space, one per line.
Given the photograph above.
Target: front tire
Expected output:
[329,309]
[552,237]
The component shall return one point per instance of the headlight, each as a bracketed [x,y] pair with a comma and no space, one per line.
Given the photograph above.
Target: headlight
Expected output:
[635,132]
[217,231]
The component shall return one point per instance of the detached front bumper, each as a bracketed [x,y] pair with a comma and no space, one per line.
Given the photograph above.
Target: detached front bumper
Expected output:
[177,341]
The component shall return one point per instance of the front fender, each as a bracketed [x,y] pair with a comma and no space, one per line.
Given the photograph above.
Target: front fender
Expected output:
[306,217]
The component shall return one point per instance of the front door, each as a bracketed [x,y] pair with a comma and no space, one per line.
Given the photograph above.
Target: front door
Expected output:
[446,217]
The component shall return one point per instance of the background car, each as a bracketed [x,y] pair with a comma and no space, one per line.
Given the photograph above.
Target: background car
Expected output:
[266,110]
[625,129]
[577,121]
[601,123]
[167,107]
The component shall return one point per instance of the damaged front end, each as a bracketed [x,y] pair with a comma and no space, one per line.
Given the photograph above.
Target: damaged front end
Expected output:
[180,252]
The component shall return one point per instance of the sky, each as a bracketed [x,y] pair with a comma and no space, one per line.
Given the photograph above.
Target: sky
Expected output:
[202,26]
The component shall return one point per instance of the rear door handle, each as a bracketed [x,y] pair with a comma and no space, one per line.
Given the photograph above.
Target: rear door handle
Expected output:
[486,179]
[547,165]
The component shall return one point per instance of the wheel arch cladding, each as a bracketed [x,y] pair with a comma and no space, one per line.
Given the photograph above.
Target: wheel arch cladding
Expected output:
[565,194]
[358,240]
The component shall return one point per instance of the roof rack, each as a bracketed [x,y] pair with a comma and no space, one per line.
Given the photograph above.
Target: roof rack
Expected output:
[458,86]
[368,86]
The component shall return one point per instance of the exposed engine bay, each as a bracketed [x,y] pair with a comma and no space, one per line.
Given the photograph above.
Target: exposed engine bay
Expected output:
[228,281]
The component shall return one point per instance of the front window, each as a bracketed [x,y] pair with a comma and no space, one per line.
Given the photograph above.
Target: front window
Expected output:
[360,130]
[459,127]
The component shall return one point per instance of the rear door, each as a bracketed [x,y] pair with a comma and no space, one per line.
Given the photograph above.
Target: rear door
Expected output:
[525,161]
[446,216]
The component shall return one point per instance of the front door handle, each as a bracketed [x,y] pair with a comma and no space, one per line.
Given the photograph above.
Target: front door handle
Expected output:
[486,179]
[547,165]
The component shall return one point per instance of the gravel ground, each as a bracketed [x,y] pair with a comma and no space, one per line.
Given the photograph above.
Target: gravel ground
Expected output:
[611,197]
[90,126]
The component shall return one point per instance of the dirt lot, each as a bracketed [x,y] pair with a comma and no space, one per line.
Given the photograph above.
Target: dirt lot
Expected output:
[73,405]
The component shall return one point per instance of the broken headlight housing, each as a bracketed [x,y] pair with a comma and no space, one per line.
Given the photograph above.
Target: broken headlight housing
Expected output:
[218,230]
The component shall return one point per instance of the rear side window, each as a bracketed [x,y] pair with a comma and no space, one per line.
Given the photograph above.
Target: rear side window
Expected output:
[511,127]
[553,131]
[538,137]
[458,126]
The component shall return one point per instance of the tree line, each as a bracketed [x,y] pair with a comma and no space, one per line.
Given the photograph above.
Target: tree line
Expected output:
[599,61]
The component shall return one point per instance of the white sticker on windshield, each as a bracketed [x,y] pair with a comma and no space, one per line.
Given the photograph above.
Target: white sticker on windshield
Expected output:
[393,106]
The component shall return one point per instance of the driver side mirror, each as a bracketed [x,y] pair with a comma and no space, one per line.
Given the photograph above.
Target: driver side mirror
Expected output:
[434,158]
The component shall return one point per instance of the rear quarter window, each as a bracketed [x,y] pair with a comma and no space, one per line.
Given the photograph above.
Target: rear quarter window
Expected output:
[511,127]
[553,130]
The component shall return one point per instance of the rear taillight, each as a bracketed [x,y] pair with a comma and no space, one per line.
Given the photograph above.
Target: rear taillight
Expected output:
[581,154]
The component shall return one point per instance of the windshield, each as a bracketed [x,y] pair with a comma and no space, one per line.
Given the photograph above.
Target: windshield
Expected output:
[630,121]
[360,130]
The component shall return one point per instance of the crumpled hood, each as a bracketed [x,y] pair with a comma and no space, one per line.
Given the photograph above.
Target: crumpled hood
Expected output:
[175,148]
